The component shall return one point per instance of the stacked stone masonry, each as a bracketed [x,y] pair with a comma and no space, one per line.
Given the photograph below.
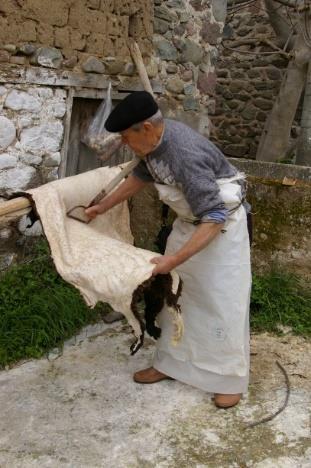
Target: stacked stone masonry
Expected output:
[249,75]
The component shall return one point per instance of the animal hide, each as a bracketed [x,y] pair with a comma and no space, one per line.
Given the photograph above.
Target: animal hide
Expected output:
[99,258]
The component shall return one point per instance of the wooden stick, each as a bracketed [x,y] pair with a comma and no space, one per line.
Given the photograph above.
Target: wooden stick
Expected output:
[138,60]
[14,206]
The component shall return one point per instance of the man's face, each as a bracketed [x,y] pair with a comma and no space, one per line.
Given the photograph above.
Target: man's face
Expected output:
[141,141]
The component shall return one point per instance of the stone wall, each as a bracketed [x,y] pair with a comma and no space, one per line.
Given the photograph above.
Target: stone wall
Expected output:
[52,51]
[249,74]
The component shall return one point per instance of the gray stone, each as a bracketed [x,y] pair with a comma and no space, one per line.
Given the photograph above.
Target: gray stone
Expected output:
[219,8]
[48,57]
[184,16]
[171,68]
[52,175]
[3,90]
[20,100]
[113,316]
[160,26]
[210,32]
[7,161]
[27,49]
[7,132]
[42,138]
[7,260]
[180,4]
[113,66]
[192,52]
[249,113]
[190,103]
[236,150]
[93,65]
[189,89]
[263,104]
[165,49]
[164,13]
[52,160]
[273,73]
[175,85]
[19,178]
[31,159]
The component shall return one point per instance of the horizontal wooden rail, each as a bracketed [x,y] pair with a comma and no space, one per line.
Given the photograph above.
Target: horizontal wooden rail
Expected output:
[13,209]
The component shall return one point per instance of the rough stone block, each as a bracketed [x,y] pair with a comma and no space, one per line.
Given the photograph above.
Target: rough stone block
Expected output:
[175,85]
[7,161]
[165,49]
[207,83]
[190,103]
[30,159]
[108,6]
[19,178]
[42,138]
[161,26]
[7,132]
[192,52]
[20,100]
[48,57]
[52,160]
[93,65]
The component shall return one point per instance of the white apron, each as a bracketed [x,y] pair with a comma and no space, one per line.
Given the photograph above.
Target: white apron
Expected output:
[213,354]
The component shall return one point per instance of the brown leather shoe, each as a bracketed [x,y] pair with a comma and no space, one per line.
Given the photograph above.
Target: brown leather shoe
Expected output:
[226,401]
[149,376]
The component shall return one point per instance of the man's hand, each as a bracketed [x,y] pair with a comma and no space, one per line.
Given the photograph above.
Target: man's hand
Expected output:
[93,211]
[164,264]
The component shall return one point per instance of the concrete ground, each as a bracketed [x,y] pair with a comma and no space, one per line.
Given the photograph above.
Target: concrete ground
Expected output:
[82,409]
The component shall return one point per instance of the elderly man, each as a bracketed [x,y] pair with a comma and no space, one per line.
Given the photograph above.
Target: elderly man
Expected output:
[208,247]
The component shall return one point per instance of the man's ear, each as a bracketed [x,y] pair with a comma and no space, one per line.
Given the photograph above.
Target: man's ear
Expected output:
[147,126]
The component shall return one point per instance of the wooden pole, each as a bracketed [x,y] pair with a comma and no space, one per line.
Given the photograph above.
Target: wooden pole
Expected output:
[138,60]
[13,209]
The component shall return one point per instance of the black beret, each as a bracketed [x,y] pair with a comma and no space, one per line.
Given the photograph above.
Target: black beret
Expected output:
[136,107]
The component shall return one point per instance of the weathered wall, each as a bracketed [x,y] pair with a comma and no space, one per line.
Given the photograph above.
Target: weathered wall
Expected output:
[76,28]
[249,74]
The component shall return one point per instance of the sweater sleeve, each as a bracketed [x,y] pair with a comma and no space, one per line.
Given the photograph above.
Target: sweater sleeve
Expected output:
[198,183]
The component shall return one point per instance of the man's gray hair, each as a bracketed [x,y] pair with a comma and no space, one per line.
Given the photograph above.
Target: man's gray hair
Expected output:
[156,119]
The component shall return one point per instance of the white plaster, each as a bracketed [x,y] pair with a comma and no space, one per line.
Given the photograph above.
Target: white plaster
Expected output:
[3,90]
[58,109]
[7,132]
[20,100]
[24,121]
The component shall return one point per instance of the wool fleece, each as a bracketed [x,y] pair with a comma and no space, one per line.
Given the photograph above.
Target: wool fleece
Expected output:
[99,258]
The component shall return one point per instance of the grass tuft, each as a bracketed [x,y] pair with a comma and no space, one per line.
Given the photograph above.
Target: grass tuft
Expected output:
[280,298]
[38,310]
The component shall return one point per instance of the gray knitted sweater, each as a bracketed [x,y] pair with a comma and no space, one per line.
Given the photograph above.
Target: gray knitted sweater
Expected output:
[193,163]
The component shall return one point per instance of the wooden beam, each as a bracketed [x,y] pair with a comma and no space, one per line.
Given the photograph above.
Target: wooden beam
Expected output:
[44,76]
[14,209]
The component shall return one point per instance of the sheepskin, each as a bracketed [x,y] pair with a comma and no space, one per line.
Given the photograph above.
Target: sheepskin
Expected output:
[99,258]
